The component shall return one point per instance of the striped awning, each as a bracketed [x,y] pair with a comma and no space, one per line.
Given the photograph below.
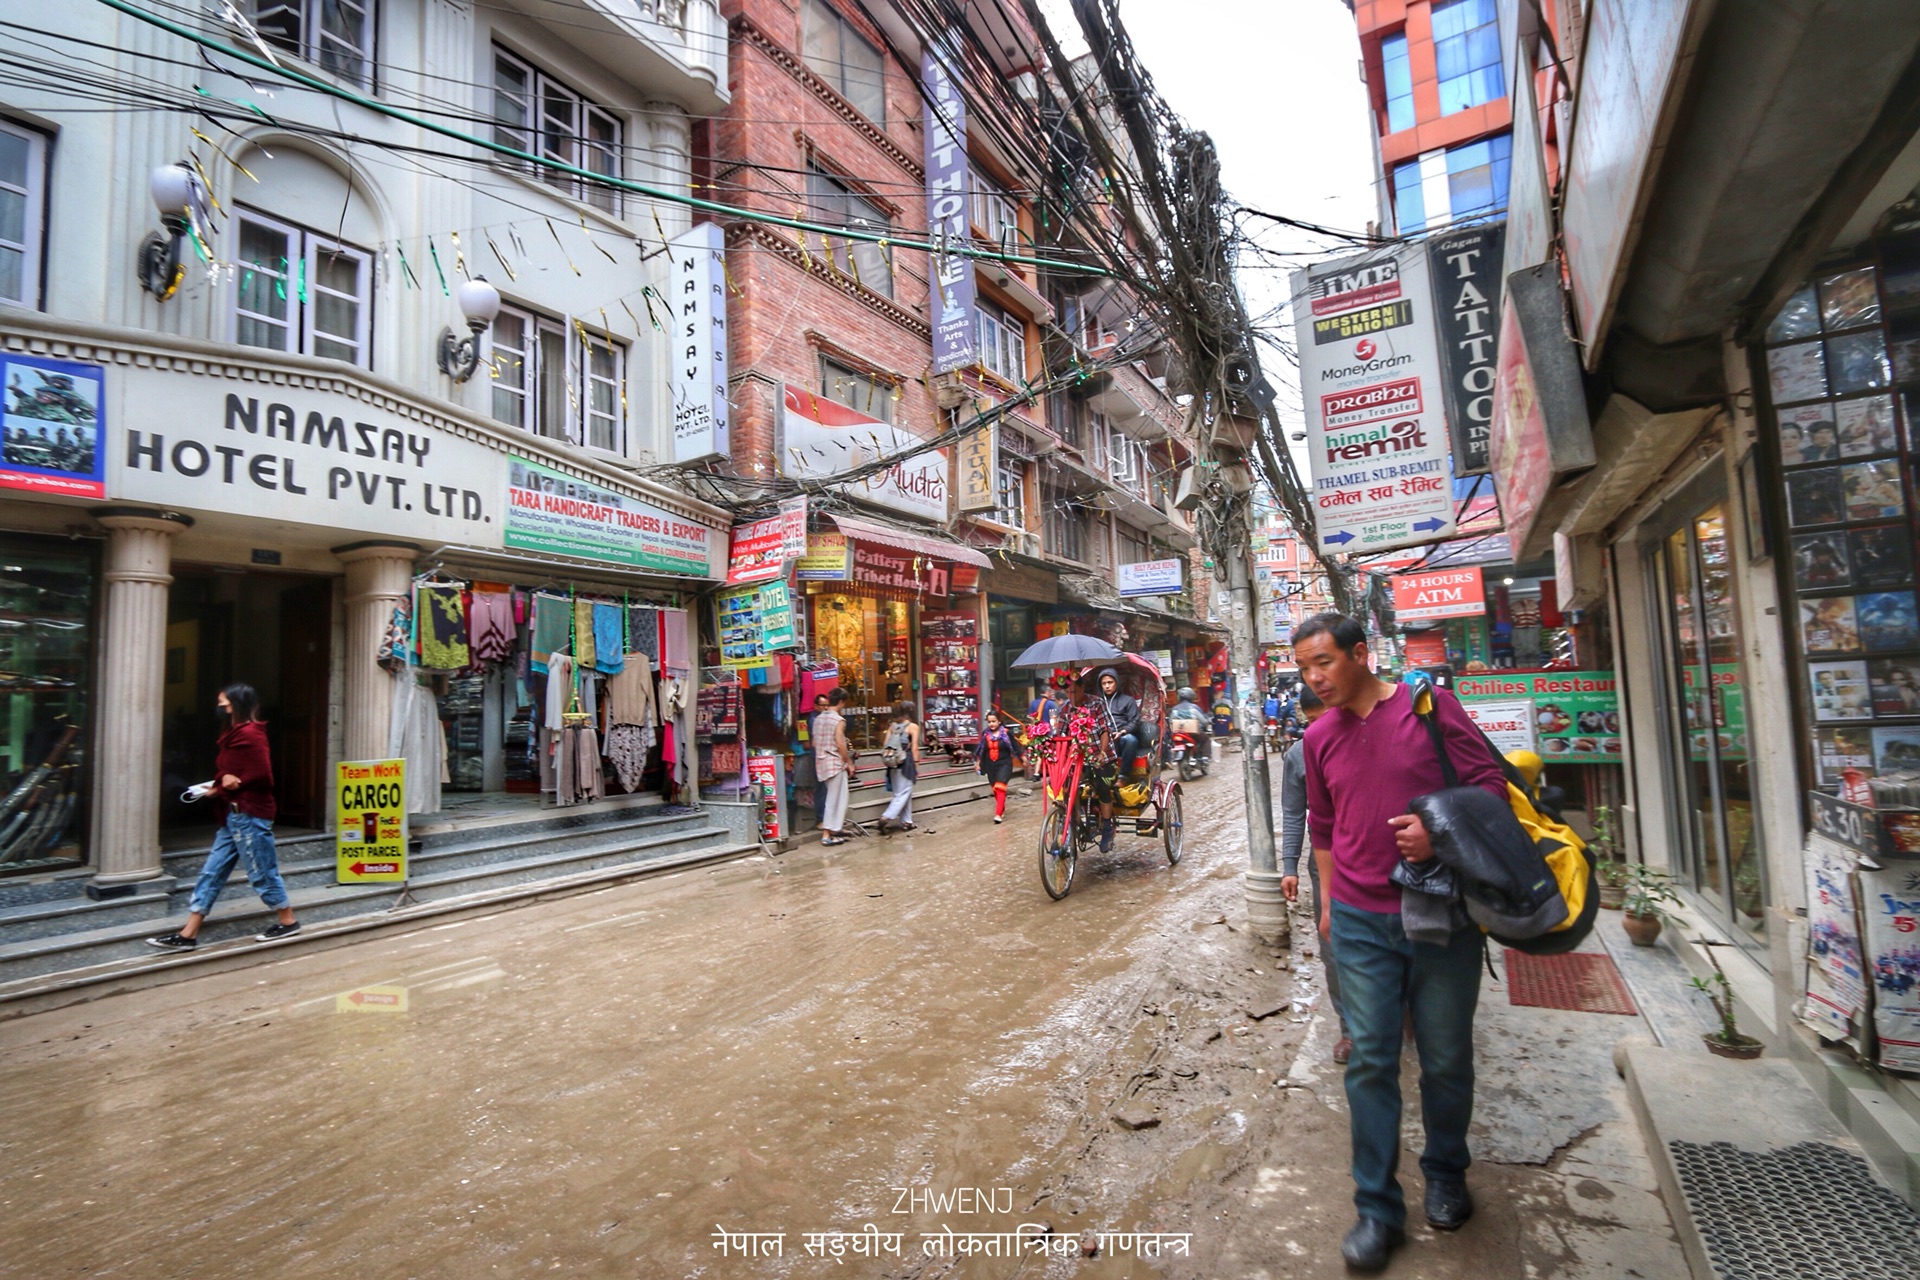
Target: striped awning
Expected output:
[920,544]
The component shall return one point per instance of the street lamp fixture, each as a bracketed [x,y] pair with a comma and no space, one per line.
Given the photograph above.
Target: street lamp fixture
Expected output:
[479,303]
[1506,582]
[175,189]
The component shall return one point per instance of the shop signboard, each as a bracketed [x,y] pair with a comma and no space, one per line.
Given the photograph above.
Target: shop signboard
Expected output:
[1162,659]
[699,354]
[793,527]
[756,551]
[1467,267]
[754,621]
[1509,724]
[370,821]
[1148,578]
[1540,430]
[1890,908]
[1444,593]
[1426,649]
[53,421]
[558,514]
[822,438]
[1836,972]
[1576,714]
[1374,394]
[895,570]
[827,559]
[978,465]
[776,615]
[764,775]
[947,212]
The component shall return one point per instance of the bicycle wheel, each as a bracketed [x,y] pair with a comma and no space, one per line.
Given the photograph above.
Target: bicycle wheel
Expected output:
[1059,852]
[1171,827]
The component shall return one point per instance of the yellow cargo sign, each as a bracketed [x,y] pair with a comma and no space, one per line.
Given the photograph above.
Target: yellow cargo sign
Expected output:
[370,821]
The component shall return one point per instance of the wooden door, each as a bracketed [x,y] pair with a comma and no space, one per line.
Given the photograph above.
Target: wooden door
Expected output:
[306,632]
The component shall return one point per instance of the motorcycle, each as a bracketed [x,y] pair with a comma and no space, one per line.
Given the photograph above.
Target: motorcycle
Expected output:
[1187,757]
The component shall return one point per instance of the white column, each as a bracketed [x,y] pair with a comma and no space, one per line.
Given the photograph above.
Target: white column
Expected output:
[126,789]
[672,163]
[379,577]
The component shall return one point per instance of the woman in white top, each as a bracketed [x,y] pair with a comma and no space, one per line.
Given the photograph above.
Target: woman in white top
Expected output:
[833,762]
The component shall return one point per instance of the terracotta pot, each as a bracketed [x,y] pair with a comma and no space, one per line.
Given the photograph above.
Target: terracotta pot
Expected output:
[1642,929]
[1613,896]
[1745,1047]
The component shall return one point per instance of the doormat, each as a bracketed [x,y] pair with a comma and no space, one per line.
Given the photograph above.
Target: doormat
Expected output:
[1805,1210]
[1579,980]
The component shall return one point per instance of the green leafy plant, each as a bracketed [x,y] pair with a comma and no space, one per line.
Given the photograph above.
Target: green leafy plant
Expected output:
[1650,892]
[1604,846]
[1719,992]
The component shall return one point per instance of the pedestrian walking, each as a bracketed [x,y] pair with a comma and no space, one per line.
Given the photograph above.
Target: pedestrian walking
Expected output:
[1293,834]
[900,752]
[1366,759]
[813,744]
[833,761]
[993,759]
[243,787]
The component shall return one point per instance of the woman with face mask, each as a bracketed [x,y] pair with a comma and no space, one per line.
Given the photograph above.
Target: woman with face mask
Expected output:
[243,788]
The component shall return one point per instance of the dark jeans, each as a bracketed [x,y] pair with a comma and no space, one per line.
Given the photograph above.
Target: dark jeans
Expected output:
[1383,975]
[1326,945]
[1128,746]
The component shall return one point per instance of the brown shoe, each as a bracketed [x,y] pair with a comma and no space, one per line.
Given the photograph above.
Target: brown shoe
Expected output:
[1343,1049]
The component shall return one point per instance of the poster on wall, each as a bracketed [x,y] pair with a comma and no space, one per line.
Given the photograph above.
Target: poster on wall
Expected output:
[1890,907]
[51,427]
[1576,714]
[560,514]
[1836,982]
[950,667]
[822,438]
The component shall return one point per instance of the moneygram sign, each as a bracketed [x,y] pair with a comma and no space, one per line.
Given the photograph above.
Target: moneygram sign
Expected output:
[1376,425]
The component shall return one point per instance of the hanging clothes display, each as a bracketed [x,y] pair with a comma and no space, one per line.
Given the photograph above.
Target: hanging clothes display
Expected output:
[559,690]
[396,643]
[626,748]
[583,646]
[414,734]
[552,628]
[630,694]
[673,642]
[643,628]
[443,627]
[609,636]
[490,626]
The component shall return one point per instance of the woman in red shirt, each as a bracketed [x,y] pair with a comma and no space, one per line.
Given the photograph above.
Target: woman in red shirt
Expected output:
[243,787]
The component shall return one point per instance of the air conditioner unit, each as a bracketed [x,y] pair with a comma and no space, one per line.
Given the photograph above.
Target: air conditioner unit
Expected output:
[1186,497]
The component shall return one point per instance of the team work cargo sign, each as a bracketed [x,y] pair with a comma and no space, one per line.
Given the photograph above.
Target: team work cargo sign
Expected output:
[370,820]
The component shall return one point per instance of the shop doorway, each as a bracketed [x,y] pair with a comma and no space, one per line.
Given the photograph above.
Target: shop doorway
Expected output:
[872,642]
[274,632]
[1712,827]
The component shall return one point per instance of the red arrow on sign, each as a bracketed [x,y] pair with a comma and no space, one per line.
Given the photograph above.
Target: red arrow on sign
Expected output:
[373,997]
[374,868]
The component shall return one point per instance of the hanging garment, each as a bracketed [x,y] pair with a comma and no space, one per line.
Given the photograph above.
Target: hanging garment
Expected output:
[583,646]
[490,626]
[559,690]
[609,637]
[673,641]
[443,627]
[630,694]
[396,643]
[626,750]
[522,606]
[580,749]
[415,734]
[643,628]
[552,627]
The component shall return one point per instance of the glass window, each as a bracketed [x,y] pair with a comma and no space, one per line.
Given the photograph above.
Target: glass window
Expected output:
[837,204]
[23,196]
[1409,202]
[858,391]
[1011,492]
[534,112]
[558,379]
[336,34]
[46,596]
[296,290]
[1466,50]
[994,214]
[1399,83]
[1002,340]
[845,59]
[1477,177]
[1066,526]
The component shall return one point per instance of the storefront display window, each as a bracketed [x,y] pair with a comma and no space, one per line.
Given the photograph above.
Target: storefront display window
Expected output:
[46,638]
[872,641]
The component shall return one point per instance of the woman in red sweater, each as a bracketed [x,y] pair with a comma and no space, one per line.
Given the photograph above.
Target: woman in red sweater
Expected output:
[243,786]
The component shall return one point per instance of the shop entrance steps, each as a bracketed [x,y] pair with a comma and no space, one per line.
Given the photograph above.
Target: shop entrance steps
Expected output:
[52,934]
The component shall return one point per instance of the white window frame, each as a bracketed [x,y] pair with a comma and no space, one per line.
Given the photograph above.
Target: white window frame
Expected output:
[994,214]
[32,245]
[313,43]
[835,202]
[1002,340]
[1094,333]
[572,139]
[577,380]
[300,269]
[1010,494]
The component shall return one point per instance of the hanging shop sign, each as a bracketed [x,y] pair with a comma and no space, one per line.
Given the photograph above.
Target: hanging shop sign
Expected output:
[793,527]
[978,464]
[1510,725]
[289,454]
[1467,267]
[698,297]
[757,551]
[1540,431]
[51,427]
[548,511]
[894,570]
[947,220]
[370,821]
[1576,714]
[822,438]
[754,621]
[1447,593]
[828,559]
[1148,578]
[1374,396]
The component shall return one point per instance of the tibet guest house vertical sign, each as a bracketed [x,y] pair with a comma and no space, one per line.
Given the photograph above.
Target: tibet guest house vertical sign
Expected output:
[1371,381]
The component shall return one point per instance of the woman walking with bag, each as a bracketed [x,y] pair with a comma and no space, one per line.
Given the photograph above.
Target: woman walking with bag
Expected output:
[901,754]
[243,784]
[993,758]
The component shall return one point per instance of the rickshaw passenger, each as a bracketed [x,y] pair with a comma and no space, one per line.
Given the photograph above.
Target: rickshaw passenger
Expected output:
[1131,736]
[1089,723]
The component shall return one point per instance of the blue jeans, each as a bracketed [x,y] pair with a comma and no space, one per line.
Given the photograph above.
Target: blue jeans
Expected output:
[1127,747]
[241,837]
[1382,975]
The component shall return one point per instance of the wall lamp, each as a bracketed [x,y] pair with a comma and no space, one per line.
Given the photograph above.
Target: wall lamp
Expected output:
[175,189]
[479,303]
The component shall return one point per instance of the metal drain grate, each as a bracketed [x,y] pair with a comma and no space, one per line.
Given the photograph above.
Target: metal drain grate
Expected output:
[1805,1210]
[1578,980]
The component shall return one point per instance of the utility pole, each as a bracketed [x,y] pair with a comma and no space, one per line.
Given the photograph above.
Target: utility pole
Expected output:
[1267,916]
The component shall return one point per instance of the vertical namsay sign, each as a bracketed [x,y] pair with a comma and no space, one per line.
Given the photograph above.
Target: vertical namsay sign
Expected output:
[699,300]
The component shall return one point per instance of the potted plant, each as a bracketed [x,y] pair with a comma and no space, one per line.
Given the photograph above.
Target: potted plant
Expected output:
[1727,1042]
[1649,892]
[1609,868]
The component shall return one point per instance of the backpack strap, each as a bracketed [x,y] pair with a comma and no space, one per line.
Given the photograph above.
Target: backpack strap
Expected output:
[1423,707]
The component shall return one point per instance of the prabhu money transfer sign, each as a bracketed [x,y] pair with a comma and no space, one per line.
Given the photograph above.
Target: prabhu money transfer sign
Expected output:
[1375,401]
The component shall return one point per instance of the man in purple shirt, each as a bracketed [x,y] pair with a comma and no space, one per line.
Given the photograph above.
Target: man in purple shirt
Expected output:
[1367,758]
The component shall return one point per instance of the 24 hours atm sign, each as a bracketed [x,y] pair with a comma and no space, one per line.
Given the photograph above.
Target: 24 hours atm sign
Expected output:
[370,821]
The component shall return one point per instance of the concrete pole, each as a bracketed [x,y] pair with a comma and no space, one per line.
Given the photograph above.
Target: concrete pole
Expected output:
[379,577]
[126,793]
[1267,916]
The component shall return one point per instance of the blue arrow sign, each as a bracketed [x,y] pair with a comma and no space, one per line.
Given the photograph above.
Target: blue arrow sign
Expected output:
[1341,537]
[1425,526]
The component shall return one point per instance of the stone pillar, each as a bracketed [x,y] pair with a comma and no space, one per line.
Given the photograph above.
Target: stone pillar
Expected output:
[672,132]
[126,787]
[379,577]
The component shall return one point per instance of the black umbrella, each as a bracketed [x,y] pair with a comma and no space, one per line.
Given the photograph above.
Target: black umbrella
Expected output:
[1067,651]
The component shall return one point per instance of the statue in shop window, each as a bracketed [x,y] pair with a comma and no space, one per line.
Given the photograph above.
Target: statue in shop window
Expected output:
[842,634]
